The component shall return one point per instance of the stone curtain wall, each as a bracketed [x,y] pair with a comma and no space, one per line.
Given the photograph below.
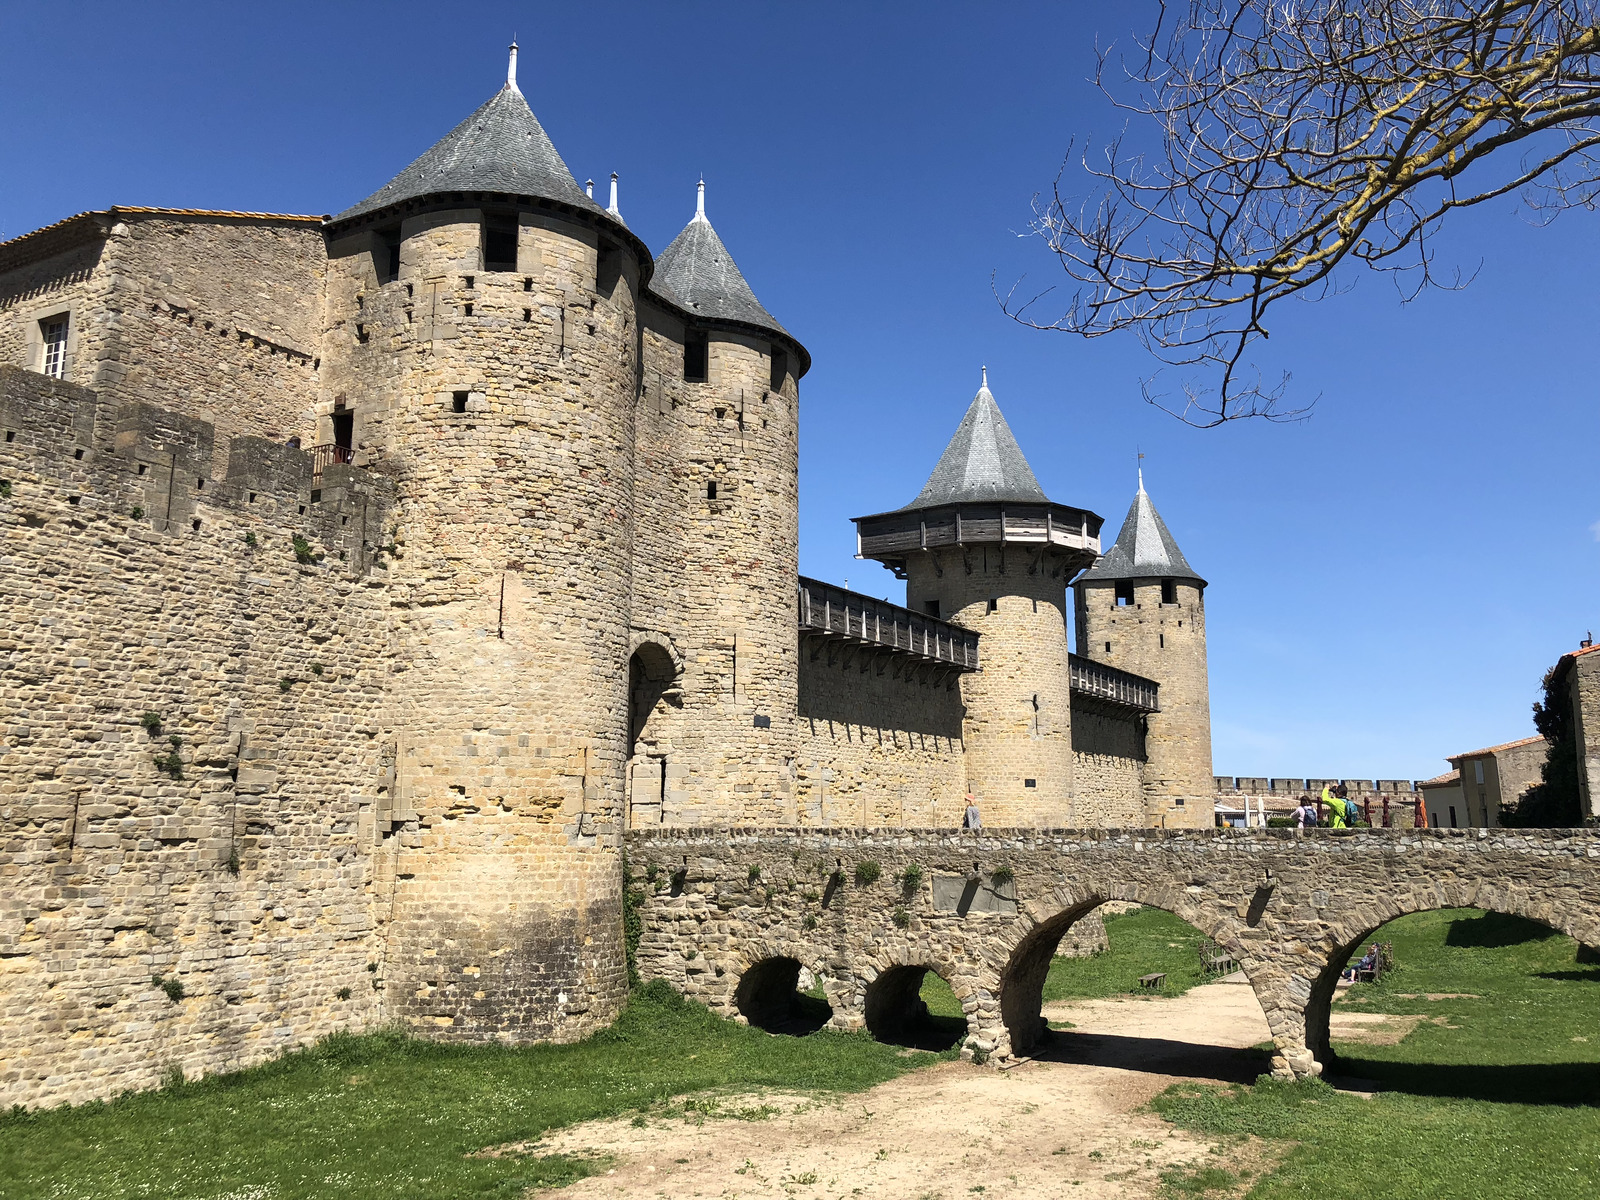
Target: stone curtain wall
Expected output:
[1289,906]
[242,876]
[1108,764]
[878,746]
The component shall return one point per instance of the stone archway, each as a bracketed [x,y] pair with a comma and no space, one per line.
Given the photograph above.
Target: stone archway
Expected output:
[654,677]
[895,1012]
[1346,936]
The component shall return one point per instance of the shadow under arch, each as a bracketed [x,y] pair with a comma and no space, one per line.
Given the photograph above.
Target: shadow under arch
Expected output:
[768,996]
[896,1013]
[1582,928]
[653,670]
[1023,978]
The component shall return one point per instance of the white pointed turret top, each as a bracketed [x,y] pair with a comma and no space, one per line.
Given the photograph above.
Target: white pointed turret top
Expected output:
[982,463]
[612,207]
[1145,548]
[511,71]
[700,200]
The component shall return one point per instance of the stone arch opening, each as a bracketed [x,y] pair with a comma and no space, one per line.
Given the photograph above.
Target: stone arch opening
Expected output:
[1481,925]
[653,693]
[1162,940]
[769,997]
[914,1006]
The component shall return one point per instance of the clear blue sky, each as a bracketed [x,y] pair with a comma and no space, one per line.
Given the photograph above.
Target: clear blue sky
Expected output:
[1388,580]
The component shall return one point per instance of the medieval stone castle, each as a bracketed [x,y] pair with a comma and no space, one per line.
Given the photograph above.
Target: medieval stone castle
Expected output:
[365,577]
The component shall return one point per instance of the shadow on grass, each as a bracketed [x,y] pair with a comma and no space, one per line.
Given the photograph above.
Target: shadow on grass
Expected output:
[806,1013]
[1492,930]
[1567,1085]
[927,1033]
[1592,975]
[1156,1056]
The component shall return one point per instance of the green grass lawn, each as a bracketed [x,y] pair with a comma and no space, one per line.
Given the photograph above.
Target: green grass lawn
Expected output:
[385,1116]
[1141,942]
[1499,1100]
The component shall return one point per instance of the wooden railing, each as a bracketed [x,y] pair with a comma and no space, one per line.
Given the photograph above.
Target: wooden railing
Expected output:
[1107,683]
[829,611]
[326,455]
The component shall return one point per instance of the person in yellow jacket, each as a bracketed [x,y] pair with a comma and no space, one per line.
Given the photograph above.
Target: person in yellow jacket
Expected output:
[1336,811]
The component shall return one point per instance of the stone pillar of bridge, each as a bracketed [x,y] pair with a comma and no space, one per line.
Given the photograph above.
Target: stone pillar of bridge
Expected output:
[983,547]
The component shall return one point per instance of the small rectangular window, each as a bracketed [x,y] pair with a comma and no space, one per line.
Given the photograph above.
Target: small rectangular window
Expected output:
[696,356]
[458,402]
[1169,591]
[1124,593]
[711,490]
[1108,647]
[1477,771]
[1452,816]
[994,604]
[54,331]
[931,607]
[386,258]
[780,368]
[499,242]
[1030,783]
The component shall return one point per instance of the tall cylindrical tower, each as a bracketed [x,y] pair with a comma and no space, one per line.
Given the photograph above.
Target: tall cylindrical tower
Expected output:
[483,349]
[1142,609]
[727,586]
[983,547]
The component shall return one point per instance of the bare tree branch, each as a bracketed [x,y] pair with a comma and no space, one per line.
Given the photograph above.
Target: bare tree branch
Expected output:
[1297,136]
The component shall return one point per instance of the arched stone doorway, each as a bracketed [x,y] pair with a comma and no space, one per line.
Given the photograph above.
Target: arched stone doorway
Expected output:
[653,698]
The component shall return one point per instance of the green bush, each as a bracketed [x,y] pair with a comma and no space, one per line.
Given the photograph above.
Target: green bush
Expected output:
[867,872]
[151,722]
[911,880]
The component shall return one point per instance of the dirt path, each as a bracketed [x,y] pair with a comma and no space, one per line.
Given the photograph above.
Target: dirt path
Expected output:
[1064,1124]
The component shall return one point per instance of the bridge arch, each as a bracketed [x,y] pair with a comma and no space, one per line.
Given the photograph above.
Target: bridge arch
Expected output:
[1035,939]
[891,997]
[1345,935]
[766,991]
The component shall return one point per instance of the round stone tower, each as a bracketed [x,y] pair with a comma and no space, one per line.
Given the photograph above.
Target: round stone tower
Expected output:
[729,577]
[983,547]
[1142,609]
[482,347]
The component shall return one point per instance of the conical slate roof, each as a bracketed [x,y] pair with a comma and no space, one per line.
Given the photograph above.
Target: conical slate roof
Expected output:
[1145,548]
[982,463]
[500,148]
[697,274]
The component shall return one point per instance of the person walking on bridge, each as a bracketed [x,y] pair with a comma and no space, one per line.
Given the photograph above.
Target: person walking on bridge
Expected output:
[1336,811]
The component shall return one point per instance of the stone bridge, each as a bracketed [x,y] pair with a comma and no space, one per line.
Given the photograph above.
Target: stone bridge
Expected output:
[731,915]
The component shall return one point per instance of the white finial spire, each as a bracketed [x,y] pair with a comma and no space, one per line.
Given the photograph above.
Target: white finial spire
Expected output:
[985,376]
[1141,472]
[588,188]
[700,200]
[511,71]
[612,208]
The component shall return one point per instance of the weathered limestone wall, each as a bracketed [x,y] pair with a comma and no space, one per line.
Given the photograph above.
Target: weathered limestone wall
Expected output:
[1019,713]
[878,745]
[1167,643]
[714,579]
[243,872]
[722,903]
[1584,681]
[502,402]
[217,316]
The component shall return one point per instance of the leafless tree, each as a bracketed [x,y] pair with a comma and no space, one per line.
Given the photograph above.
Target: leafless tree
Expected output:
[1296,135]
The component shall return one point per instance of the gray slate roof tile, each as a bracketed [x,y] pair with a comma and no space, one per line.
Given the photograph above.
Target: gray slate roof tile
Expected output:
[500,148]
[1145,549]
[697,274]
[982,462]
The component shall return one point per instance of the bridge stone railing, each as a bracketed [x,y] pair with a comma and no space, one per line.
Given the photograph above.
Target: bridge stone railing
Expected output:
[730,915]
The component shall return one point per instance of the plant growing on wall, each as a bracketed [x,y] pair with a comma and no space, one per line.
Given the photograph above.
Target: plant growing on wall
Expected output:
[902,916]
[171,985]
[250,540]
[1001,876]
[5,489]
[303,553]
[911,880]
[867,872]
[171,762]
[151,722]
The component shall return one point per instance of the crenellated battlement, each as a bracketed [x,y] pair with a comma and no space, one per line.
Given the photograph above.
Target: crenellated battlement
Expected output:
[155,465]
